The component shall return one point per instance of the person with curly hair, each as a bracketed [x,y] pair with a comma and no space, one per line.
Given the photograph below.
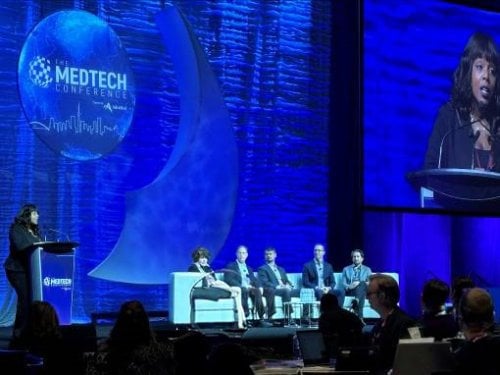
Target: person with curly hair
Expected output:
[466,130]
[212,288]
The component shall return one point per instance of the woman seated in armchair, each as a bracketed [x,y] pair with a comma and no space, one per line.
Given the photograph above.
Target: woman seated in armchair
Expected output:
[212,288]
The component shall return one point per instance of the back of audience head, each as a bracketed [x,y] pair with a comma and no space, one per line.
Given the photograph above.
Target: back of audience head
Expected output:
[328,302]
[43,324]
[459,284]
[476,311]
[434,295]
[387,290]
[229,358]
[132,327]
[191,353]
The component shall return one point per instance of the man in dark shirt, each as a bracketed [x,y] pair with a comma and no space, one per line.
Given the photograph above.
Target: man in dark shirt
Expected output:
[383,294]
[436,322]
[479,354]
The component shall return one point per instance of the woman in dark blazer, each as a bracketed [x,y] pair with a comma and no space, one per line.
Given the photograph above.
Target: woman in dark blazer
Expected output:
[23,233]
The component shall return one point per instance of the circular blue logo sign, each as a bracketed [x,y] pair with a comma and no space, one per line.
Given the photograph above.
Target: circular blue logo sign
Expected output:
[76,85]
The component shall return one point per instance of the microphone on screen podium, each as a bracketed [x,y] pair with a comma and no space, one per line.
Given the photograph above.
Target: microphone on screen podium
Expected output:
[58,233]
[453,130]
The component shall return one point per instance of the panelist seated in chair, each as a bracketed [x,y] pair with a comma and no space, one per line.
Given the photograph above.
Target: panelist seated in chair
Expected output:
[355,280]
[212,288]
[240,274]
[275,282]
[318,274]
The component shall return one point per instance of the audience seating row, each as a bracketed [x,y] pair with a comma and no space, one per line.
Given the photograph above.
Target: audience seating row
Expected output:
[206,311]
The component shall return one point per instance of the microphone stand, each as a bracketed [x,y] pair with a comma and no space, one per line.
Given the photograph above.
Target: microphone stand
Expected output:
[191,299]
[450,131]
[57,232]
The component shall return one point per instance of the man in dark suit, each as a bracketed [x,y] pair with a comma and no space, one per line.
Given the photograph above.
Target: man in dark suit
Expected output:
[383,294]
[479,353]
[275,282]
[239,274]
[318,275]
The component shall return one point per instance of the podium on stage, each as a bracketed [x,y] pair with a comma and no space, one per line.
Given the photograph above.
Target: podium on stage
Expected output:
[458,189]
[52,275]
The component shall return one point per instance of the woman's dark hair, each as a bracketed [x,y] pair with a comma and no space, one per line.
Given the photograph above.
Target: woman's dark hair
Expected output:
[42,330]
[23,217]
[479,45]
[200,252]
[132,326]
[43,320]
[131,331]
[434,294]
[458,286]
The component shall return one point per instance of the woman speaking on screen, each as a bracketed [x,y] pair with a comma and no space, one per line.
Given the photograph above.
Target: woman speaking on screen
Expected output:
[466,134]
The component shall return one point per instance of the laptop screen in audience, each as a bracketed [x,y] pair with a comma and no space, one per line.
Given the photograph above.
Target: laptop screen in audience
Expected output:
[312,347]
[422,358]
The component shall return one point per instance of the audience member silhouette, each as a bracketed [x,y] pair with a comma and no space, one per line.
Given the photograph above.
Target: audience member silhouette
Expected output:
[383,294]
[229,359]
[458,286]
[339,327]
[191,353]
[132,347]
[436,322]
[42,338]
[479,353]
[42,331]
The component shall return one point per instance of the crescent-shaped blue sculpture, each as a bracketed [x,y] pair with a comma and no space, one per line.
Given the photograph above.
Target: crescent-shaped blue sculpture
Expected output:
[192,201]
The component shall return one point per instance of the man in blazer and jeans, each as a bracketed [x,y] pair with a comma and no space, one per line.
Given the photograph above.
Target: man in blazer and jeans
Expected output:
[355,280]
[318,275]
[275,282]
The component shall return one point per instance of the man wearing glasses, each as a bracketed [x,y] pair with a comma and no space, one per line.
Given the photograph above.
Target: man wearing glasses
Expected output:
[383,294]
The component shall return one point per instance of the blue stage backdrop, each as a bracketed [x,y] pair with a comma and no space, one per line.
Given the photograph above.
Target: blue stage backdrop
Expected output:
[424,246]
[272,62]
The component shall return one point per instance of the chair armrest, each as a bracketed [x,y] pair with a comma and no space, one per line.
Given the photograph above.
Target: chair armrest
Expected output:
[180,286]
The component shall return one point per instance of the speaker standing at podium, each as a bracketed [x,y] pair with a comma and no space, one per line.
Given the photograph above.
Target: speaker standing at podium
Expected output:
[23,233]
[466,131]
